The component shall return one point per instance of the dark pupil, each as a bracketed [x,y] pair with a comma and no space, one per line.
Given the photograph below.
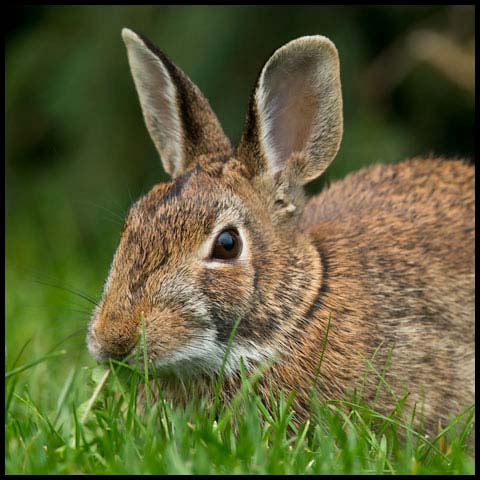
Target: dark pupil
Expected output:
[227,245]
[226,241]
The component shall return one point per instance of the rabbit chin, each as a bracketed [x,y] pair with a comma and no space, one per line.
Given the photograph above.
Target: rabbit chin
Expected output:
[205,356]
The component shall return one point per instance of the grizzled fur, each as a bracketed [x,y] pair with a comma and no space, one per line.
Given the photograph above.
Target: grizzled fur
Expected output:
[386,256]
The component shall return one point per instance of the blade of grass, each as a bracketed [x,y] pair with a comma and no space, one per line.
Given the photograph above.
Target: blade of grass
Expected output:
[145,362]
[393,422]
[11,390]
[450,427]
[63,394]
[246,384]
[324,347]
[18,370]
[218,387]
[313,398]
[24,346]
[95,395]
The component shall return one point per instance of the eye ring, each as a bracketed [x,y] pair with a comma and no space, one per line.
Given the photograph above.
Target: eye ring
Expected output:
[227,245]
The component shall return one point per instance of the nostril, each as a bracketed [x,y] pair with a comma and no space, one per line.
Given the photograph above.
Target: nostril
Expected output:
[115,344]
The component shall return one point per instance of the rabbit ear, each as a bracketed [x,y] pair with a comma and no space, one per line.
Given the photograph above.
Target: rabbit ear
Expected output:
[179,118]
[296,108]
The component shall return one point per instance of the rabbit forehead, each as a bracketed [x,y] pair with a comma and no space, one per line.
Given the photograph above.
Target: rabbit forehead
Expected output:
[175,218]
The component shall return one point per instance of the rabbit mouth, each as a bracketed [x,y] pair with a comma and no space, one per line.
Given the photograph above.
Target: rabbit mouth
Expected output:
[200,357]
[208,357]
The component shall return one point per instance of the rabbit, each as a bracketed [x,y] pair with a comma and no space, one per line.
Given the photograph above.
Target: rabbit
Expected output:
[373,277]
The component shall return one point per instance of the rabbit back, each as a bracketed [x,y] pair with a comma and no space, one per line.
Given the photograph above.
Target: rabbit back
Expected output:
[398,244]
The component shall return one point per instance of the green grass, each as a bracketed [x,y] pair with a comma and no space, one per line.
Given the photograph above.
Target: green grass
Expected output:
[95,426]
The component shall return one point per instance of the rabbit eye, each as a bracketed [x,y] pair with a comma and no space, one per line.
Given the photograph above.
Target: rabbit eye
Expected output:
[227,246]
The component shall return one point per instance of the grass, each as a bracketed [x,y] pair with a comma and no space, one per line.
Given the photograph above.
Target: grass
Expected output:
[95,426]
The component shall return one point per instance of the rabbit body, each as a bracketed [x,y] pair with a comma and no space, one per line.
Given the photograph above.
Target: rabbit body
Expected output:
[397,242]
[374,276]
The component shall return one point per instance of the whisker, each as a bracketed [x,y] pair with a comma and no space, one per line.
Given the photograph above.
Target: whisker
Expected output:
[77,310]
[112,220]
[124,179]
[57,309]
[115,214]
[70,290]
[58,327]
[77,333]
[40,274]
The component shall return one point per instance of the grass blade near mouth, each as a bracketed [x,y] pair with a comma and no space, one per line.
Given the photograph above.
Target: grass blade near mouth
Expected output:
[145,362]
[218,386]
[95,395]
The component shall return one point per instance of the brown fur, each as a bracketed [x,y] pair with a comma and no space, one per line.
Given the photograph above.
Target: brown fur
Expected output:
[386,255]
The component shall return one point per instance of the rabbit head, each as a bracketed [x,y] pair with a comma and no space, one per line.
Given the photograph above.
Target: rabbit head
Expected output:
[220,242]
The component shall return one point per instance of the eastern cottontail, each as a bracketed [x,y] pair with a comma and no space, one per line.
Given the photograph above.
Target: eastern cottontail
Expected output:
[385,255]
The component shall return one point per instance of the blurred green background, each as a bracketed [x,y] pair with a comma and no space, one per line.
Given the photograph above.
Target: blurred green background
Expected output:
[77,151]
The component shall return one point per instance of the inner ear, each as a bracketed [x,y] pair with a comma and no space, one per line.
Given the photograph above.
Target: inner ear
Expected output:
[296,109]
[288,122]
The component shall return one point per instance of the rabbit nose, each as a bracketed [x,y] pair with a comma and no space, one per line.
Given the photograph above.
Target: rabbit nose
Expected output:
[116,346]
[114,340]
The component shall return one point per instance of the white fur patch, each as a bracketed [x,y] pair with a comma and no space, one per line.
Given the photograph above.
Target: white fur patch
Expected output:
[206,355]
[202,355]
[252,354]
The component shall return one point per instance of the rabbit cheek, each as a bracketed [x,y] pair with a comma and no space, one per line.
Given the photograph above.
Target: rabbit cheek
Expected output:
[179,344]
[167,331]
[229,289]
